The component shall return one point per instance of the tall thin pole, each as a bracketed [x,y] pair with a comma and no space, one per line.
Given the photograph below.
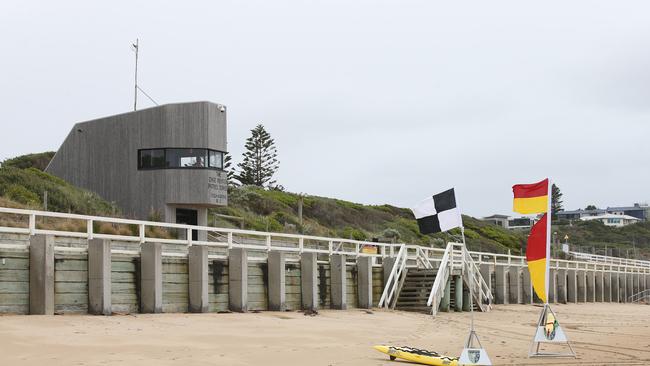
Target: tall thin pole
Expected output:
[548,238]
[135,89]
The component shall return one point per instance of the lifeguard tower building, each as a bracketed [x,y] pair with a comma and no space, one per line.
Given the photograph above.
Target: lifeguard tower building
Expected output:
[167,159]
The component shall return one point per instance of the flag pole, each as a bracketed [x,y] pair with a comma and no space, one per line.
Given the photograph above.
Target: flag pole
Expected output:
[548,238]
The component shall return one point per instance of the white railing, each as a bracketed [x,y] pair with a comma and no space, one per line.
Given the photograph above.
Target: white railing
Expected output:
[439,284]
[480,288]
[394,279]
[640,296]
[29,223]
[609,260]
[215,237]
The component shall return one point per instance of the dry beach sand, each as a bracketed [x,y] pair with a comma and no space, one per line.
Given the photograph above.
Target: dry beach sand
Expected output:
[601,333]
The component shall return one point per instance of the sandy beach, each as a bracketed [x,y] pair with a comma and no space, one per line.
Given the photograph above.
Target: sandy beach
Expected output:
[601,334]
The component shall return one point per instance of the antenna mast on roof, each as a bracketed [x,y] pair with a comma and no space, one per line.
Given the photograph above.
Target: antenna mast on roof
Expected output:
[136,48]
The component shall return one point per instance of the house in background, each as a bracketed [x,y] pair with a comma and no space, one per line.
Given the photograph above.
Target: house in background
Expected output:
[509,222]
[167,160]
[639,211]
[579,214]
[614,220]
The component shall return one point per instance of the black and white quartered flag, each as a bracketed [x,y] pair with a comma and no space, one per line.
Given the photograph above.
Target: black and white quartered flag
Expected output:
[438,213]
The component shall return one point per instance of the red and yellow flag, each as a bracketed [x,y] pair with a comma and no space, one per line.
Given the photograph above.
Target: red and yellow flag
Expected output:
[536,257]
[531,198]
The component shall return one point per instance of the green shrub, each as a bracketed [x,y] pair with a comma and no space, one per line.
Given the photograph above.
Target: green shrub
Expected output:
[22,195]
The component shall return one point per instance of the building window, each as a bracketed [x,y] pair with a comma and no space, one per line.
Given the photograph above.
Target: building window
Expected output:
[180,158]
[216,159]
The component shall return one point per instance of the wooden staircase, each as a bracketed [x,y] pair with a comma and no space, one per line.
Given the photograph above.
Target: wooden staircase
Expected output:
[415,290]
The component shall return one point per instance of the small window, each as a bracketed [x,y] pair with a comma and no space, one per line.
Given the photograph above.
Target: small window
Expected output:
[216,159]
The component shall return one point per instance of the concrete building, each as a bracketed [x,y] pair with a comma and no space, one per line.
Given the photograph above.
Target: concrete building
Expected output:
[166,160]
[613,220]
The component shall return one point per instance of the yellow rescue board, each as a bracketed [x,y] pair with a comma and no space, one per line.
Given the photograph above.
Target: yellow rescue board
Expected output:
[418,355]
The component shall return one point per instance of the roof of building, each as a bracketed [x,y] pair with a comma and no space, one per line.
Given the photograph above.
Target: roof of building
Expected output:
[610,216]
[496,216]
[581,211]
[628,208]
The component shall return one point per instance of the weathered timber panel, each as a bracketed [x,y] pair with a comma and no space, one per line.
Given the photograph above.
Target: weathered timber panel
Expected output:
[377,284]
[351,287]
[70,283]
[175,285]
[324,286]
[125,290]
[293,296]
[14,281]
[258,286]
[218,285]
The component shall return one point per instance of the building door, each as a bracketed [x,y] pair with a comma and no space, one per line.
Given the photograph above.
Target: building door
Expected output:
[188,217]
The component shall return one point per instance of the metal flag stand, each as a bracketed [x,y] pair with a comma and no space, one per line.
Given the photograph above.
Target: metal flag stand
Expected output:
[548,329]
[473,353]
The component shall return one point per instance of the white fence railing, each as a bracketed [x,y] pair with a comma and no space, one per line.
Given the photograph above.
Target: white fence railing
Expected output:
[640,296]
[31,222]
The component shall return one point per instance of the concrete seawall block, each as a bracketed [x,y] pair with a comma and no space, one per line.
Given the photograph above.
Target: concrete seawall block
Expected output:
[582,285]
[514,274]
[277,281]
[572,286]
[309,281]
[387,266]
[151,278]
[364,270]
[561,286]
[591,286]
[99,277]
[338,281]
[41,274]
[501,293]
[198,277]
[238,279]
[527,287]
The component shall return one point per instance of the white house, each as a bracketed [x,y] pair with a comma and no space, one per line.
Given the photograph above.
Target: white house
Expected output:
[613,219]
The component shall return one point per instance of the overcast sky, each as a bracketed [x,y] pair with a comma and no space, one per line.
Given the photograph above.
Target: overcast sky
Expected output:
[369,101]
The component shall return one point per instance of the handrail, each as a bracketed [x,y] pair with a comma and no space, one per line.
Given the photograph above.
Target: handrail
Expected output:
[610,260]
[474,275]
[639,296]
[441,281]
[142,237]
[297,243]
[393,278]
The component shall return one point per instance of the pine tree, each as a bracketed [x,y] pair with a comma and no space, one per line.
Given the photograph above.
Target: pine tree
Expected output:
[230,171]
[260,161]
[556,201]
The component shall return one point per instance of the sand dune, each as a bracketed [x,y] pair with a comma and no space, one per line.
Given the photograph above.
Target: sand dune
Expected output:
[601,334]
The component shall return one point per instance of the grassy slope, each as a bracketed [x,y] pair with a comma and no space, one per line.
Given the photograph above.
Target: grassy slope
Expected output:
[277,211]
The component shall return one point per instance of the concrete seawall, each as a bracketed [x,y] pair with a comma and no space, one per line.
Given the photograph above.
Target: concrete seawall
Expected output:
[46,275]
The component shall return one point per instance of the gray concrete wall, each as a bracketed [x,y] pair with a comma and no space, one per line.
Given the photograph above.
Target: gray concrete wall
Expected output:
[238,279]
[99,277]
[572,286]
[501,293]
[41,275]
[561,286]
[102,156]
[514,290]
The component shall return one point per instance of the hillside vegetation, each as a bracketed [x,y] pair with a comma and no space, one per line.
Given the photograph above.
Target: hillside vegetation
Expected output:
[22,184]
